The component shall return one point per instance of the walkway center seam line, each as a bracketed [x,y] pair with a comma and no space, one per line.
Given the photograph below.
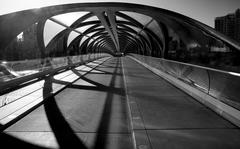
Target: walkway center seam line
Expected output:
[130,104]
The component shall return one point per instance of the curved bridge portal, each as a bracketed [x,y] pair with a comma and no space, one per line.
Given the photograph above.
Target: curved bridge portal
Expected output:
[116,75]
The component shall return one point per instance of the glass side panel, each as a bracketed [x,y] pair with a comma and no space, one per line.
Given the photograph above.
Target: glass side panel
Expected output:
[21,57]
[209,52]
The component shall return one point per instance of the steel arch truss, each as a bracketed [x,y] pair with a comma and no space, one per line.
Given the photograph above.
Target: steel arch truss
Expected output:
[116,30]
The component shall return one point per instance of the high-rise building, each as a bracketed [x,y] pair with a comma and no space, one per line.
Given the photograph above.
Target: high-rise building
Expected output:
[237,25]
[229,25]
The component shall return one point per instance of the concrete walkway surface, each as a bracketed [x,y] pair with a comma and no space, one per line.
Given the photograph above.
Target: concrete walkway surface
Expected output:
[121,105]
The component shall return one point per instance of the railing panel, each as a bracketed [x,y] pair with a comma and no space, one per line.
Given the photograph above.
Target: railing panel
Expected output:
[222,85]
[225,87]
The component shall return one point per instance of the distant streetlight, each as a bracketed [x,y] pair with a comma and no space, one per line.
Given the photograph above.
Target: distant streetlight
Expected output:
[20,37]
[3,62]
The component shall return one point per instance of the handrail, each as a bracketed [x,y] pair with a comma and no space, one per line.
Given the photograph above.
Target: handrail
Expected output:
[16,83]
[202,67]
[222,85]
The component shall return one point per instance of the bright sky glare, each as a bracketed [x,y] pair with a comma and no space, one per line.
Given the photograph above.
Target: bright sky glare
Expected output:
[202,10]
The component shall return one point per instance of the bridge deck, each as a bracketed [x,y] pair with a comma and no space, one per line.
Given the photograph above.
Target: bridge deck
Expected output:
[93,113]
[165,117]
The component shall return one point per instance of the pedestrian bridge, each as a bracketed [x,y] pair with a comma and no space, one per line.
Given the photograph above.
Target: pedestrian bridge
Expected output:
[116,75]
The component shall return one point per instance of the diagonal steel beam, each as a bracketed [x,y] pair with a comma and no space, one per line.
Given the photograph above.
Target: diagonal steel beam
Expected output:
[112,19]
[101,16]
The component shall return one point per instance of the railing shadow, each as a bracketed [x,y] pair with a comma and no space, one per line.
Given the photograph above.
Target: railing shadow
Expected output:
[103,66]
[97,69]
[98,72]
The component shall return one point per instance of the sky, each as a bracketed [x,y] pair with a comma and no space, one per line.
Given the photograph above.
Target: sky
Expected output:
[202,10]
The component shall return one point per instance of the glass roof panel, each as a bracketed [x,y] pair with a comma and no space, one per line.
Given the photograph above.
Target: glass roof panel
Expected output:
[120,19]
[69,18]
[83,39]
[133,35]
[134,28]
[97,36]
[121,27]
[143,19]
[90,34]
[139,31]
[91,40]
[84,28]
[93,18]
[143,33]
[72,36]
[51,29]
[95,43]
[154,26]
[100,26]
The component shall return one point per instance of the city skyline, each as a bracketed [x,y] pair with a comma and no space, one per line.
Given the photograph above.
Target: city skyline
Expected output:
[229,25]
[228,13]
[204,11]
